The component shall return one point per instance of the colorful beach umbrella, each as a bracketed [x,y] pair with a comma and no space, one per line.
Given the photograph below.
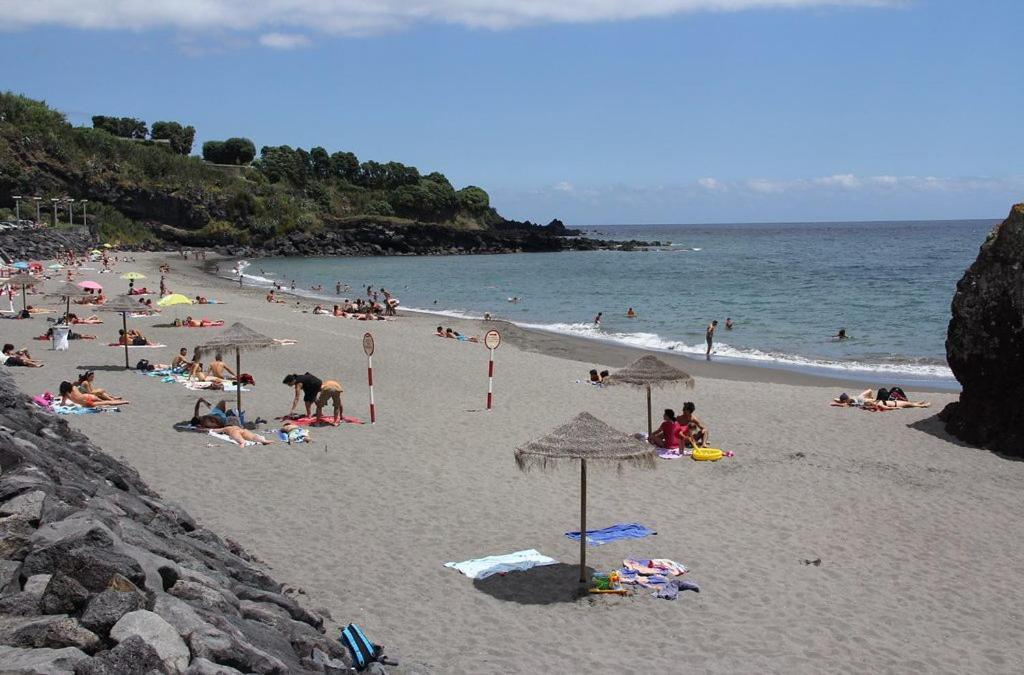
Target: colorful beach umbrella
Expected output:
[172,300]
[55,266]
[132,276]
[91,285]
[586,439]
[21,265]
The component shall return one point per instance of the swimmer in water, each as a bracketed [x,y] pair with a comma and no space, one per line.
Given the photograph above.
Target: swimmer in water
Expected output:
[728,323]
[630,314]
[597,319]
[841,335]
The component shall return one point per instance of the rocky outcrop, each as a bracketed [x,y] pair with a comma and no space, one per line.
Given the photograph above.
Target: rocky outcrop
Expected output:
[98,574]
[42,243]
[985,343]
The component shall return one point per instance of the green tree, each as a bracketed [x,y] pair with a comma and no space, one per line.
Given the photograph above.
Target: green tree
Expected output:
[473,199]
[320,163]
[181,138]
[345,165]
[125,127]
[231,151]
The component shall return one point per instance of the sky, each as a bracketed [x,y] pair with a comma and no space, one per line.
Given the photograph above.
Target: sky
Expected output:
[592,111]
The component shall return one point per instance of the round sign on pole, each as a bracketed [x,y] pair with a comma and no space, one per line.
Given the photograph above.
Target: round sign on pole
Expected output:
[368,344]
[492,339]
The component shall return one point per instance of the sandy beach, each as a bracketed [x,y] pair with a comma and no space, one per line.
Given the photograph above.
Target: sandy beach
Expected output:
[918,536]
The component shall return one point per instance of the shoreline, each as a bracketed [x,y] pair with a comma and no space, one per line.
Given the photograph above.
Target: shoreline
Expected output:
[609,353]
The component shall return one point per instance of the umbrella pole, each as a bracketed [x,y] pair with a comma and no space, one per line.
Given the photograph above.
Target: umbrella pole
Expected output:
[650,429]
[124,326]
[24,299]
[238,381]
[67,312]
[583,521]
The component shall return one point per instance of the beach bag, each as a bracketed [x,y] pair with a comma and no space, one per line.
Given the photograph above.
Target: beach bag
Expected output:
[144,365]
[246,378]
[897,394]
[882,395]
[363,651]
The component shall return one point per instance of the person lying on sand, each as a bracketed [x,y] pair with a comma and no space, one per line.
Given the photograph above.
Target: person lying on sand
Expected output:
[448,332]
[240,435]
[440,332]
[596,377]
[870,400]
[92,319]
[71,334]
[18,358]
[217,418]
[68,394]
[272,298]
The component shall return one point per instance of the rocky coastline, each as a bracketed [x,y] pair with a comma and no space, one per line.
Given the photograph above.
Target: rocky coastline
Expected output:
[100,575]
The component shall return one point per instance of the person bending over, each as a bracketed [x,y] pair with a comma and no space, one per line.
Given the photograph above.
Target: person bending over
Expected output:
[308,387]
[68,394]
[330,391]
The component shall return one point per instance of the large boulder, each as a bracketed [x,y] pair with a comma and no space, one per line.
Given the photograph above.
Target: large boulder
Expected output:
[985,343]
[42,661]
[156,633]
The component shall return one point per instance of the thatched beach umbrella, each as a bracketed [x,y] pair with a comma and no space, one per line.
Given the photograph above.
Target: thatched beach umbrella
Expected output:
[649,371]
[123,305]
[24,280]
[66,290]
[239,337]
[585,439]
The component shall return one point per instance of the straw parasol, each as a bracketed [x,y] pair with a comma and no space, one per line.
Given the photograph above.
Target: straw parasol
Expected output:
[66,290]
[24,280]
[239,337]
[585,439]
[123,305]
[649,371]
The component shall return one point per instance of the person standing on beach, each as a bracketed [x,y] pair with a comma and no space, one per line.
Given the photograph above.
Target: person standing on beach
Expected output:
[337,288]
[709,335]
[597,319]
[308,386]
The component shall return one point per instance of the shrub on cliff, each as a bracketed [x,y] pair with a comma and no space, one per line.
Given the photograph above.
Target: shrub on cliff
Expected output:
[236,151]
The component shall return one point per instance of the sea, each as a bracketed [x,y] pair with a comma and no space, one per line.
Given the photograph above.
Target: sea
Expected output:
[787,287]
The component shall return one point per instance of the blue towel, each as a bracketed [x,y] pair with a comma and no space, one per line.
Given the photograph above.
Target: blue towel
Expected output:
[613,533]
[79,410]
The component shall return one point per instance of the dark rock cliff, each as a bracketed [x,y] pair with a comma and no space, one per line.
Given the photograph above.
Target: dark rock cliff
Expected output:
[98,574]
[985,343]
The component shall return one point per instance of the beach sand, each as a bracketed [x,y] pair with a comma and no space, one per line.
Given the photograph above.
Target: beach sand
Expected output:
[918,537]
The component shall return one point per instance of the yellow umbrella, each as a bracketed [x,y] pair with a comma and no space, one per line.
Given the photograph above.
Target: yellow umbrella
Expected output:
[107,246]
[173,299]
[96,251]
[131,277]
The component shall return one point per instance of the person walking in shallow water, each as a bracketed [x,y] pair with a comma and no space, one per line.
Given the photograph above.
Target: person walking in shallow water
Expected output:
[709,335]
[597,319]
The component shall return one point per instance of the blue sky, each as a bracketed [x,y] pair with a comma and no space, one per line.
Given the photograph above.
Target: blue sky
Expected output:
[594,111]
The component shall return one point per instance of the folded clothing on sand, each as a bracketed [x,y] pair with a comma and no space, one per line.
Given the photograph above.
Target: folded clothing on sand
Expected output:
[650,572]
[481,568]
[613,533]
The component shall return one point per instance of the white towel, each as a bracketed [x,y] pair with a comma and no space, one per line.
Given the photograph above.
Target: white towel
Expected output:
[225,437]
[481,568]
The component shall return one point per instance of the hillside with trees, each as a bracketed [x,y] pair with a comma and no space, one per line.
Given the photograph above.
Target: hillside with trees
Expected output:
[146,185]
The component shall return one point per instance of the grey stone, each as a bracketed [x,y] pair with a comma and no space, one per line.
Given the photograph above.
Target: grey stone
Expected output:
[157,633]
[15,537]
[179,614]
[20,604]
[27,505]
[41,661]
[107,608]
[63,595]
[54,631]
[298,613]
[10,576]
[132,655]
[207,667]
[37,583]
[204,597]
[232,649]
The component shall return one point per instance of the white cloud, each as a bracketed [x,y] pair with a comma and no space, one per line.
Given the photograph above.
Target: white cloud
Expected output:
[284,40]
[563,186]
[845,180]
[711,184]
[361,17]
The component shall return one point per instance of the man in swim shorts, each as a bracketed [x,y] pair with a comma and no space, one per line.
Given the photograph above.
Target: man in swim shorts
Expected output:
[330,391]
[709,335]
[306,385]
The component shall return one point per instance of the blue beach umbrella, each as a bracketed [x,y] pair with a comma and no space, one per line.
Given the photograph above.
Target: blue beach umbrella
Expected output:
[21,265]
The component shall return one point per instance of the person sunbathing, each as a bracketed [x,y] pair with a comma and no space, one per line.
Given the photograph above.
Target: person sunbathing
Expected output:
[85,385]
[92,319]
[241,436]
[892,404]
[440,332]
[71,334]
[217,418]
[132,337]
[671,435]
[219,369]
[201,300]
[68,394]
[319,309]
[19,358]
[338,311]
[180,361]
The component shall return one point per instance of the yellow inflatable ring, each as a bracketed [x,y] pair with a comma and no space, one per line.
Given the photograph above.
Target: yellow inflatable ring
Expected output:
[707,454]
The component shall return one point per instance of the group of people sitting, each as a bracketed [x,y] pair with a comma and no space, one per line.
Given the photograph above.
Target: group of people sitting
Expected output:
[83,392]
[678,432]
[884,399]
[19,357]
[132,337]
[222,420]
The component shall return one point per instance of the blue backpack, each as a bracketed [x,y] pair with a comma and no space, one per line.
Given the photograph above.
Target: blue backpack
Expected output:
[363,651]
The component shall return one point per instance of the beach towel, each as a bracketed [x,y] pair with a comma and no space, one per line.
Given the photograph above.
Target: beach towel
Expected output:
[481,568]
[323,419]
[115,344]
[613,533]
[670,590]
[79,410]
[229,387]
[225,437]
[655,566]
[293,436]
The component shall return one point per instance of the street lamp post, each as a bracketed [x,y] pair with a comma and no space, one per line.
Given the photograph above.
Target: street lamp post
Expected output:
[53,201]
[71,210]
[84,221]
[17,208]
[37,200]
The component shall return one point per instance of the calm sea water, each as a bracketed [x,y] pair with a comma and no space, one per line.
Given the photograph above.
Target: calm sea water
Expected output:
[787,288]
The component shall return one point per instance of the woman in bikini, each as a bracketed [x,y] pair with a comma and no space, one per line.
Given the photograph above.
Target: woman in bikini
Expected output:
[85,386]
[68,394]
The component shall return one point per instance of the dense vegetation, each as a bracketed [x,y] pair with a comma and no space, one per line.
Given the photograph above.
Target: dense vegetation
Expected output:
[146,189]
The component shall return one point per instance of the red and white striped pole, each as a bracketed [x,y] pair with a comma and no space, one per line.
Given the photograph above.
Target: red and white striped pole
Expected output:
[491,340]
[368,348]
[490,381]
